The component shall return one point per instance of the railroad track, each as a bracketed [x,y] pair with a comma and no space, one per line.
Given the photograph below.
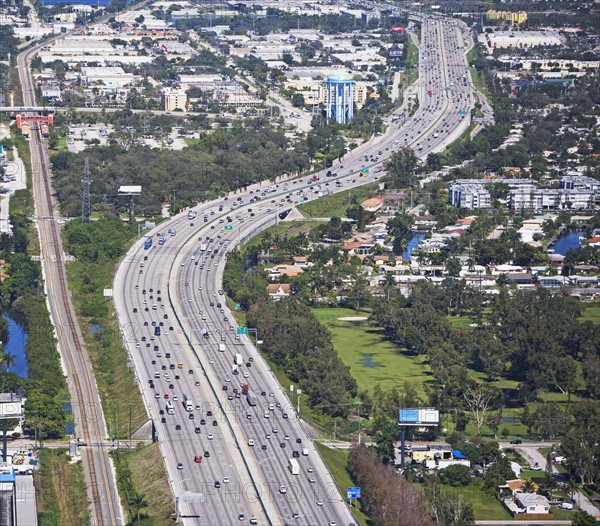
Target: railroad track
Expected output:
[83,388]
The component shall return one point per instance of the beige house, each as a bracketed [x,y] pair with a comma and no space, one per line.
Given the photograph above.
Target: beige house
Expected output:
[277,291]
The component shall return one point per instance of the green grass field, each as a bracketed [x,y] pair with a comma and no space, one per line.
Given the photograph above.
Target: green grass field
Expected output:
[485,506]
[337,204]
[141,471]
[371,358]
[336,460]
[291,228]
[591,313]
[60,490]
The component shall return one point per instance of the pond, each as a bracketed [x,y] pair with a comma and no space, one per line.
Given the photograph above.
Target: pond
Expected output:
[566,242]
[367,361]
[17,339]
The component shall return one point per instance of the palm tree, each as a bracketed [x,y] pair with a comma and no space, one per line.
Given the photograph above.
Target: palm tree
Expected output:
[529,486]
[137,502]
[572,486]
[8,360]
[389,284]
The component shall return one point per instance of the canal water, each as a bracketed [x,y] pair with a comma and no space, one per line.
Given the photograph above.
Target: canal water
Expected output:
[567,242]
[17,339]
[413,242]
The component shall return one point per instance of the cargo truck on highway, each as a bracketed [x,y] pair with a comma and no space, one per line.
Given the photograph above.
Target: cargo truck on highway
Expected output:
[293,466]
[244,389]
[238,359]
[251,397]
[188,404]
[203,247]
[191,214]
[162,239]
[221,347]
[170,408]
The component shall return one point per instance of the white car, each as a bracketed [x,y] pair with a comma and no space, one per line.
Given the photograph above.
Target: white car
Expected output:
[251,442]
[282,489]
[210,436]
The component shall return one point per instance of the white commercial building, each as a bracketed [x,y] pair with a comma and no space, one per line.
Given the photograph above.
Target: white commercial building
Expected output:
[469,196]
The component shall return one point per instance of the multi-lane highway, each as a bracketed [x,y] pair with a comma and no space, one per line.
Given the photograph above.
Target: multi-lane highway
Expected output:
[175,318]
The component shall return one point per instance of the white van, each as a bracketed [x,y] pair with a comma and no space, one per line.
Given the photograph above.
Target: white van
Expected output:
[304,452]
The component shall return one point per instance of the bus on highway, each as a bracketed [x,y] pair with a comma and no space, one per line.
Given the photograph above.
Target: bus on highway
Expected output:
[147,243]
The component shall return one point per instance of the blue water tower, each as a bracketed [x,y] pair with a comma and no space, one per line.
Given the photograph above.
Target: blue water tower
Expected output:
[340,98]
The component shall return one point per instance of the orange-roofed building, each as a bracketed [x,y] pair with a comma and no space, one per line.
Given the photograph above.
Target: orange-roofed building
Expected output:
[373,204]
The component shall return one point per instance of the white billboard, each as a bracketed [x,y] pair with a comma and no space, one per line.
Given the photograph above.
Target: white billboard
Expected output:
[131,189]
[11,409]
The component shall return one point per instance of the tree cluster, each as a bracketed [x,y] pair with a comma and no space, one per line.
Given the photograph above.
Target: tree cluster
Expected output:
[294,340]
[222,161]
[387,498]
[531,337]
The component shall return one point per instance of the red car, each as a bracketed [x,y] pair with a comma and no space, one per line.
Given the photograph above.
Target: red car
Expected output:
[198,459]
[166,397]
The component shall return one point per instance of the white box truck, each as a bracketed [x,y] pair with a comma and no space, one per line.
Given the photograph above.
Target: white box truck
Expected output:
[293,466]
[238,359]
[188,404]
[221,347]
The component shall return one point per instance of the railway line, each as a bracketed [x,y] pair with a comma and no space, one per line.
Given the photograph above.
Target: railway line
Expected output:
[89,419]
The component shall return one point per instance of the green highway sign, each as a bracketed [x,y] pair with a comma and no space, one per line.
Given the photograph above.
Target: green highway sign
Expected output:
[242,330]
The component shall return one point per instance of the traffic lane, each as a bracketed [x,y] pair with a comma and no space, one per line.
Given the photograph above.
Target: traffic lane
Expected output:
[225,417]
[283,462]
[178,453]
[291,432]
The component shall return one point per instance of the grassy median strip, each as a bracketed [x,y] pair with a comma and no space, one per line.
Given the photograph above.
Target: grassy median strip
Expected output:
[145,493]
[60,490]
[97,247]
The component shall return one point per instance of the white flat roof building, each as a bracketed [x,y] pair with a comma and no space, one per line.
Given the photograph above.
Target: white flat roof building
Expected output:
[510,39]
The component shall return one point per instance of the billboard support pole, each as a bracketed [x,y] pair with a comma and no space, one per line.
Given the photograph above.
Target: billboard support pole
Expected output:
[402,441]
[4,432]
